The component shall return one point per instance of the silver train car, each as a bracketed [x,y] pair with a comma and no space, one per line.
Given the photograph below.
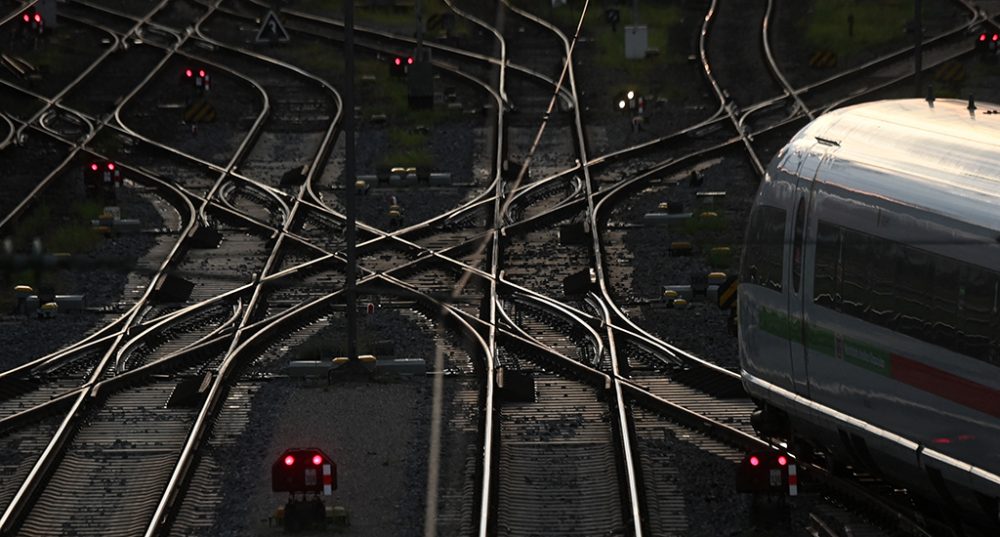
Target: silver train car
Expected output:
[869,296]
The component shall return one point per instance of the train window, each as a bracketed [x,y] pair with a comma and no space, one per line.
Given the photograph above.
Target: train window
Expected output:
[797,250]
[944,301]
[926,296]
[914,278]
[762,258]
[827,258]
[976,301]
[882,297]
[856,266]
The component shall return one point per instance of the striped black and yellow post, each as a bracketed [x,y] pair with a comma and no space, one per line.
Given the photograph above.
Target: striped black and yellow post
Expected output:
[950,72]
[200,111]
[727,292]
[823,59]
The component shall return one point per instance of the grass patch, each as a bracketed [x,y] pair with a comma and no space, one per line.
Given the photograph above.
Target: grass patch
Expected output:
[417,158]
[606,49]
[72,232]
[660,21]
[400,15]
[875,24]
[389,95]
[322,58]
[407,139]
[408,148]
[72,238]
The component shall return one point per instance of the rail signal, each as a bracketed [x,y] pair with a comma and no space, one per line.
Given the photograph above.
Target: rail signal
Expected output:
[987,43]
[400,65]
[768,472]
[198,77]
[32,22]
[101,178]
[307,470]
[304,471]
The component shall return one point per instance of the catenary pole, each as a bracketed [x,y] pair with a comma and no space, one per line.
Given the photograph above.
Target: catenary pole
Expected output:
[350,291]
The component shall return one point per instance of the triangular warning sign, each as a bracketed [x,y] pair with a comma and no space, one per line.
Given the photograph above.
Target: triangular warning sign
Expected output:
[271,30]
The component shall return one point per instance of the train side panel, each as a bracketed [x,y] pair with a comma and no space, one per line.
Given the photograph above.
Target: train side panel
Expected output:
[889,354]
[762,340]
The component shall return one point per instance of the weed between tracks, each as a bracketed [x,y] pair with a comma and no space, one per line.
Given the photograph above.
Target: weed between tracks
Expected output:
[875,23]
[397,15]
[68,231]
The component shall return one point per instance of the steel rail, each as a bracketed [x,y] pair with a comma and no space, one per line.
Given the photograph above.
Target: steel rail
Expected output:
[179,476]
[10,131]
[318,203]
[772,64]
[49,103]
[19,503]
[633,504]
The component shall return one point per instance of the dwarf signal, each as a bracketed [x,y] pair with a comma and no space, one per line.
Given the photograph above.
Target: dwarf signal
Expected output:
[987,43]
[198,77]
[770,472]
[303,471]
[101,178]
[400,65]
[33,22]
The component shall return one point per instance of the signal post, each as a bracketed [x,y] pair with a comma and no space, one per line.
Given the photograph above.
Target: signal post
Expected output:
[307,475]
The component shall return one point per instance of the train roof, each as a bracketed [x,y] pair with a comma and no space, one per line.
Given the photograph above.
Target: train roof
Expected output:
[941,159]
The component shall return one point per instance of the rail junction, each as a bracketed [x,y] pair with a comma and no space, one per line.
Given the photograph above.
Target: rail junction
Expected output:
[546,252]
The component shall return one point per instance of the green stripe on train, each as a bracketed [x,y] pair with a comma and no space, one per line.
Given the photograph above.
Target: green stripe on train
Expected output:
[859,353]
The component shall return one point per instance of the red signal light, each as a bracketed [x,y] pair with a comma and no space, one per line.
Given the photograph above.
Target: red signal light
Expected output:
[93,166]
[201,73]
[982,37]
[782,460]
[188,73]
[996,36]
[289,460]
[754,461]
[27,18]
[409,61]
[399,61]
[317,460]
[38,18]
[111,166]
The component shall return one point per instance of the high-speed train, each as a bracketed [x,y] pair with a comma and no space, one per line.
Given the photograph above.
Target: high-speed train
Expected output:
[869,296]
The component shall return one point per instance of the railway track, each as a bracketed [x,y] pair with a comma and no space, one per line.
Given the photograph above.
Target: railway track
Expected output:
[602,397]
